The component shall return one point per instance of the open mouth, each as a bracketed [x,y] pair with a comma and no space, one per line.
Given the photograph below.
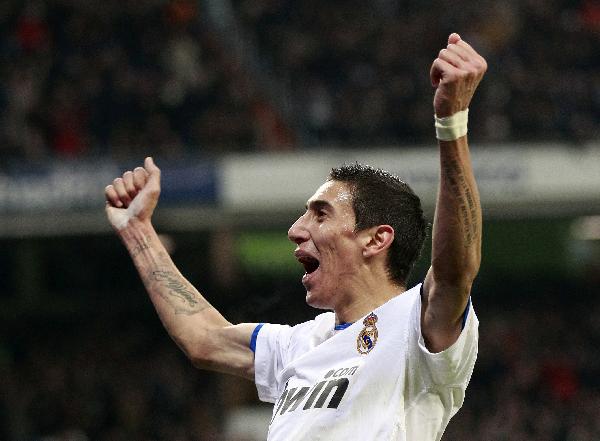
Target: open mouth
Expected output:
[310,264]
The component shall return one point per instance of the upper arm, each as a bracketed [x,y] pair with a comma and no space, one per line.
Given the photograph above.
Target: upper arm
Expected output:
[227,349]
[442,309]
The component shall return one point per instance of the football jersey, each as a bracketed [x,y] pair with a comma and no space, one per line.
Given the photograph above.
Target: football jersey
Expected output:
[374,380]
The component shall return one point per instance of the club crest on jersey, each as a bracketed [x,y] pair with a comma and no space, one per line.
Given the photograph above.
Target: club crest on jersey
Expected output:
[368,336]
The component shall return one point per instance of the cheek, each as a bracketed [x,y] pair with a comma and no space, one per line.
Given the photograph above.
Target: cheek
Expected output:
[341,256]
[329,241]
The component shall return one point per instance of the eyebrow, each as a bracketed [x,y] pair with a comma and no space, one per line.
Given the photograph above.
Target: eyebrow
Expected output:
[318,204]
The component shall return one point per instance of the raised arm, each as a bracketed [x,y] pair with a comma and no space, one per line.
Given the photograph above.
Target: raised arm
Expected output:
[210,341]
[456,236]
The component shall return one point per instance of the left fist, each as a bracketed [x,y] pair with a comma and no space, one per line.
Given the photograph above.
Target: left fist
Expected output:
[455,74]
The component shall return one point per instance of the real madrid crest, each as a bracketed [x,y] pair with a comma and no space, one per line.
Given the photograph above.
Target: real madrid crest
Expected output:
[368,336]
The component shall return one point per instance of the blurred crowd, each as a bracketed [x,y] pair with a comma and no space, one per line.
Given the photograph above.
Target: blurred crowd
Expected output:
[537,376]
[121,78]
[115,377]
[103,380]
[359,70]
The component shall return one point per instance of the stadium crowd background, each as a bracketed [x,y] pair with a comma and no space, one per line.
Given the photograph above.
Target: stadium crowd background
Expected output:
[114,77]
[87,79]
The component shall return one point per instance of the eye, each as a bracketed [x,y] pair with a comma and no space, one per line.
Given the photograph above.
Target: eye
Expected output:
[320,215]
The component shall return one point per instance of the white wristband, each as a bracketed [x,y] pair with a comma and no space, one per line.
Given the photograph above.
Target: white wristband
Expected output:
[450,128]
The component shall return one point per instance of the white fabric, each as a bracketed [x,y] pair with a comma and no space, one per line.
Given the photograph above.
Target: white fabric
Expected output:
[452,127]
[324,389]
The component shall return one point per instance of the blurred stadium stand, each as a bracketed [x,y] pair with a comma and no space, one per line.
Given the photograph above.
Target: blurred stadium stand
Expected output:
[245,104]
[125,78]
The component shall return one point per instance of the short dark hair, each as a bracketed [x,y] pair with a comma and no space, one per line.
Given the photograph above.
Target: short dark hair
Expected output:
[380,198]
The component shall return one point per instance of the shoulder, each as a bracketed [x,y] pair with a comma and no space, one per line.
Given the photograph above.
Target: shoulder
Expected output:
[322,324]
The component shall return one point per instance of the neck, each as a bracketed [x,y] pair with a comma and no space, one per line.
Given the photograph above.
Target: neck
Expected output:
[366,300]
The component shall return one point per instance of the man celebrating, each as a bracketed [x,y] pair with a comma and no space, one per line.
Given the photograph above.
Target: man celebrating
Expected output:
[387,363]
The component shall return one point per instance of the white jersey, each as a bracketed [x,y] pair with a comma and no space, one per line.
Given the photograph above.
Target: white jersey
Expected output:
[374,380]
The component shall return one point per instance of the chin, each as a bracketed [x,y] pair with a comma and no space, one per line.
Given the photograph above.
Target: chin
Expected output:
[313,300]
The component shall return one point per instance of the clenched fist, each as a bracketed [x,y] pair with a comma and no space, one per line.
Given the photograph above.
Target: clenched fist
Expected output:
[455,73]
[133,196]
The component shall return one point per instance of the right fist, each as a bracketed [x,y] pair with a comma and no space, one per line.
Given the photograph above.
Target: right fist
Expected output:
[134,195]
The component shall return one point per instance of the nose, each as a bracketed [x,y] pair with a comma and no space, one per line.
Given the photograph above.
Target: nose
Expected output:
[297,232]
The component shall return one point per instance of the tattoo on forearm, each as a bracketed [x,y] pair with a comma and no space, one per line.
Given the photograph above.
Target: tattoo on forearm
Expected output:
[463,193]
[178,294]
[140,247]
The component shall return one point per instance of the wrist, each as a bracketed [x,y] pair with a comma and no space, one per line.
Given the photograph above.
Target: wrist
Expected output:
[134,231]
[450,128]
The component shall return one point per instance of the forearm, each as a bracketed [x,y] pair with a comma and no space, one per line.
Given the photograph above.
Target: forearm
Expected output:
[456,236]
[456,247]
[184,312]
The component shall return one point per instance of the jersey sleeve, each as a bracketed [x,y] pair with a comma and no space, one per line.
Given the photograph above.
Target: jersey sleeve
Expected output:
[452,366]
[270,356]
[437,382]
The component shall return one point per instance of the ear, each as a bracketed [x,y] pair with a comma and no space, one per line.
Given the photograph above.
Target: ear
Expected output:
[377,240]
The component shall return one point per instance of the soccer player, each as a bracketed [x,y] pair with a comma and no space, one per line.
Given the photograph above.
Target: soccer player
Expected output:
[387,363]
